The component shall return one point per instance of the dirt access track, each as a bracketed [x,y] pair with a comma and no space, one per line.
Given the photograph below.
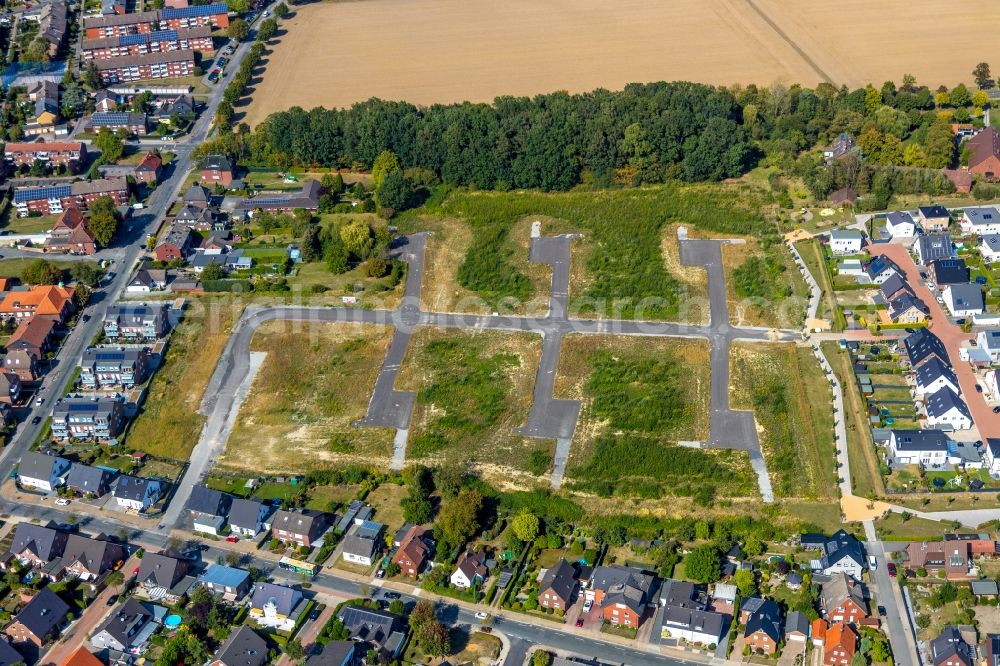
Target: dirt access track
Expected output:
[336,53]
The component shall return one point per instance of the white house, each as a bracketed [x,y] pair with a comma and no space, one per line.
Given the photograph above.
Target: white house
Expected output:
[247,517]
[693,625]
[989,247]
[946,408]
[980,220]
[900,224]
[991,454]
[42,472]
[963,300]
[881,269]
[846,241]
[470,570]
[136,493]
[989,342]
[209,524]
[918,447]
[991,381]
[360,550]
[275,606]
[935,375]
[850,267]
[933,247]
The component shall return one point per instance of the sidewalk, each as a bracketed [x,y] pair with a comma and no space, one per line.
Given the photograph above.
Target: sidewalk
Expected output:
[9,491]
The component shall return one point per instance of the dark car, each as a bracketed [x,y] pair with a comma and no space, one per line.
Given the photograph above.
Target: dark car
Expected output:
[486,630]
[881,610]
[979,389]
[996,410]
[113,599]
[36,420]
[391,595]
[579,621]
[891,568]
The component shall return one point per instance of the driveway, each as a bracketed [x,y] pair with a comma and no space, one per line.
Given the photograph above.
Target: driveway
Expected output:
[307,635]
[951,335]
[792,650]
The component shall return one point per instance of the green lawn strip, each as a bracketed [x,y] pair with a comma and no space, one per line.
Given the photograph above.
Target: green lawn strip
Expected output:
[811,254]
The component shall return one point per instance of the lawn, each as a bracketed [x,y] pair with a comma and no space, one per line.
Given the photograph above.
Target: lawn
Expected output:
[275,490]
[812,256]
[790,397]
[169,424]
[865,478]
[11,224]
[316,380]
[825,516]
[14,267]
[763,285]
[386,500]
[313,278]
[228,484]
[330,498]
[639,397]
[893,527]
[472,390]
[624,271]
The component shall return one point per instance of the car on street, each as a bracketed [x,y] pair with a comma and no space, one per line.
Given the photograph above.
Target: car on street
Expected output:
[891,568]
[113,599]
[482,615]
[579,621]
[36,420]
[486,630]
[979,389]
[996,410]
[391,595]
[232,538]
[881,610]
[62,501]
[39,401]
[587,605]
[380,573]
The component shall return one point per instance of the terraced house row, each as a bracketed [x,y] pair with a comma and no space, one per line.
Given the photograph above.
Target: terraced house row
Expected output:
[168,64]
[54,199]
[214,15]
[160,41]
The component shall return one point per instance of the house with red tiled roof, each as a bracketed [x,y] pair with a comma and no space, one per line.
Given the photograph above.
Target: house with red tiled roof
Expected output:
[414,551]
[818,632]
[840,645]
[71,234]
[45,300]
[148,170]
[32,335]
[984,154]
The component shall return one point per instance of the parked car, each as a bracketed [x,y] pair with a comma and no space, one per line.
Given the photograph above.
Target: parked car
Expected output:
[579,621]
[62,501]
[36,420]
[232,538]
[891,568]
[380,573]
[482,615]
[979,389]
[996,410]
[587,605]
[39,401]
[391,595]
[486,630]
[881,610]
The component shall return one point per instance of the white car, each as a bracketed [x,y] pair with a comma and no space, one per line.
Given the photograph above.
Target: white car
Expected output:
[481,615]
[62,502]
[587,605]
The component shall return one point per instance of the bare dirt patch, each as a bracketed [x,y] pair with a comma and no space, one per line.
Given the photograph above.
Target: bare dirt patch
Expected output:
[524,48]
[316,380]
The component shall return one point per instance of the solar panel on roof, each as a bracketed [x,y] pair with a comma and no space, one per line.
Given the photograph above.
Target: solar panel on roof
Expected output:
[109,119]
[82,407]
[272,201]
[110,356]
[197,10]
[133,40]
[36,194]
[163,36]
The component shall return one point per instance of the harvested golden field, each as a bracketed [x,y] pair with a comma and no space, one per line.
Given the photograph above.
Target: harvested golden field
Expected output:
[314,383]
[335,54]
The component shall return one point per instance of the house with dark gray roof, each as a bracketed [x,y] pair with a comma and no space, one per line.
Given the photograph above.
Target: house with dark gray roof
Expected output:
[246,517]
[932,247]
[205,500]
[164,577]
[945,409]
[89,558]
[335,653]
[841,552]
[129,627]
[692,625]
[763,630]
[622,593]
[796,627]
[557,586]
[84,480]
[42,472]
[37,545]
[881,268]
[39,620]
[922,345]
[918,447]
[136,492]
[302,526]
[244,647]
[935,375]
[894,287]
[963,300]
[275,606]
[8,655]
[950,271]
[383,631]
[908,309]
[950,649]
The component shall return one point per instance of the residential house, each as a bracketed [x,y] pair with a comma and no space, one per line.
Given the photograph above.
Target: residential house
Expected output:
[148,170]
[162,576]
[842,600]
[246,517]
[174,244]
[51,301]
[275,606]
[950,557]
[949,271]
[933,247]
[135,322]
[622,593]
[900,224]
[230,582]
[414,551]
[120,24]
[284,202]
[763,630]
[364,545]
[908,309]
[137,493]
[845,196]
[146,280]
[130,123]
[894,287]
[817,632]
[106,366]
[32,336]
[334,653]
[68,154]
[989,342]
[984,589]
[841,552]
[984,154]
[991,456]
[383,631]
[796,627]
[935,375]
[100,48]
[470,570]
[71,234]
[880,269]
[217,169]
[557,586]
[302,526]
[842,145]
[846,241]
[244,647]
[129,627]
[87,418]
[37,545]
[946,409]
[928,448]
[10,387]
[963,300]
[54,199]
[214,15]
[692,625]
[989,247]
[40,620]
[980,220]
[922,345]
[933,218]
[22,363]
[950,649]
[167,64]
[991,650]
[197,195]
[199,218]
[89,558]
[840,645]
[208,501]
[11,657]
[42,472]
